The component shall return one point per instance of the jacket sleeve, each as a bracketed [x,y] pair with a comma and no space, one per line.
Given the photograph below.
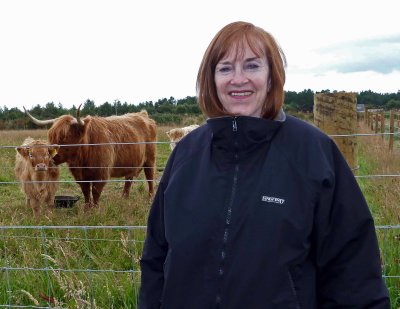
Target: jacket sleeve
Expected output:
[347,253]
[155,250]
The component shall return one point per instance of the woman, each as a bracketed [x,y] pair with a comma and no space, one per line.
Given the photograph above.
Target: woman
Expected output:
[257,209]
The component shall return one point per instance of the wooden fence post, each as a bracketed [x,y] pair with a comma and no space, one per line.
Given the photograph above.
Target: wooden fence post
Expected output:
[371,121]
[391,130]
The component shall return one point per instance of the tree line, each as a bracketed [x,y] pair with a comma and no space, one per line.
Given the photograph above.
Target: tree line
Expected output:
[174,110]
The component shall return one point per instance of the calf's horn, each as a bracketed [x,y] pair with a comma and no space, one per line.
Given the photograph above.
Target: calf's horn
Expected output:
[37,121]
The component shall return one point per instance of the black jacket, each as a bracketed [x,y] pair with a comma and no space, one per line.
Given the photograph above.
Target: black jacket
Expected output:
[254,213]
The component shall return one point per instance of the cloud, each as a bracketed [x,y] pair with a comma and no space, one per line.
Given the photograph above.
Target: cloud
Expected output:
[380,54]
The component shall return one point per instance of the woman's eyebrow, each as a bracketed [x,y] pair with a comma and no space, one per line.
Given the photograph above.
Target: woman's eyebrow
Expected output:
[252,59]
[224,62]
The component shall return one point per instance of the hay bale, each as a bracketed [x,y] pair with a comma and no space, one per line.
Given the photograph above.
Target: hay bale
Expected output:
[336,113]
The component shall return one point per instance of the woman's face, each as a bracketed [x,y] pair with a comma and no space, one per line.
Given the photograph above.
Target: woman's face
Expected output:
[242,83]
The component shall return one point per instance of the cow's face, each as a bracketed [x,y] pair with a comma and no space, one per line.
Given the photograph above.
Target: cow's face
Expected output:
[38,154]
[66,131]
[175,135]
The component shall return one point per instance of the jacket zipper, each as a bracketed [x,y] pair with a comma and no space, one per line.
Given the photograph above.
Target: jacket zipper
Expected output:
[234,125]
[228,214]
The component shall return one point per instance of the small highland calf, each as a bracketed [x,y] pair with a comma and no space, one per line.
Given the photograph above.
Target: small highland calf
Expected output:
[35,169]
[175,135]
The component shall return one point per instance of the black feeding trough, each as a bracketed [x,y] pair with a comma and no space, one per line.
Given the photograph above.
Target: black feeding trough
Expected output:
[65,201]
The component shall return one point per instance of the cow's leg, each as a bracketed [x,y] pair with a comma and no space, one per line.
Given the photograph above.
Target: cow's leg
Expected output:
[85,187]
[149,172]
[97,188]
[32,203]
[50,203]
[35,204]
[149,167]
[127,187]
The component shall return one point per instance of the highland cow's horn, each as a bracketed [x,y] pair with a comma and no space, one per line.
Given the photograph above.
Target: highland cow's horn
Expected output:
[80,121]
[37,121]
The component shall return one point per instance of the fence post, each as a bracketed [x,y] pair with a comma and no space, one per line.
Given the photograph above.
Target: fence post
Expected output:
[383,124]
[371,121]
[369,118]
[391,130]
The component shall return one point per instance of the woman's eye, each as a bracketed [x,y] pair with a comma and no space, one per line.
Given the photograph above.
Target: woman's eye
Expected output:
[252,66]
[224,69]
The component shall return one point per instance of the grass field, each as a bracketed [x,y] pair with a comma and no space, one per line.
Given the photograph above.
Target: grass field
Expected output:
[45,254]
[44,265]
[383,196]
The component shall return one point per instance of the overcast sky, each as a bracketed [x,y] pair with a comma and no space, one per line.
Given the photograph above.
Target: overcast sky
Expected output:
[135,51]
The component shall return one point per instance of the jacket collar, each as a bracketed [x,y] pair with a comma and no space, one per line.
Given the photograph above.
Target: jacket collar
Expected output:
[242,134]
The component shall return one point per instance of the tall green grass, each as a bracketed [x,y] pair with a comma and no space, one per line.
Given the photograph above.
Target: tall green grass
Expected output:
[383,196]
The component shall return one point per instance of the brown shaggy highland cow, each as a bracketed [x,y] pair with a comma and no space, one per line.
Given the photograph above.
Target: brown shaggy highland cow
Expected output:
[98,148]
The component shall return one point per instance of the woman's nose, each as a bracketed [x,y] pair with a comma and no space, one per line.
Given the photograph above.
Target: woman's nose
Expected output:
[239,77]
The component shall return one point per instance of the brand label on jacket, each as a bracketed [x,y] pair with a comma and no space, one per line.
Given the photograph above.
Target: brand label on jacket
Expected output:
[271,199]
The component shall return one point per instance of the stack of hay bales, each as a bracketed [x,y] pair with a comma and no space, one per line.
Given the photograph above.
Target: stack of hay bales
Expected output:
[336,114]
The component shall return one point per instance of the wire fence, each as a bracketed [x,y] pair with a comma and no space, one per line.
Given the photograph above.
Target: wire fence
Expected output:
[70,266]
[97,266]
[161,168]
